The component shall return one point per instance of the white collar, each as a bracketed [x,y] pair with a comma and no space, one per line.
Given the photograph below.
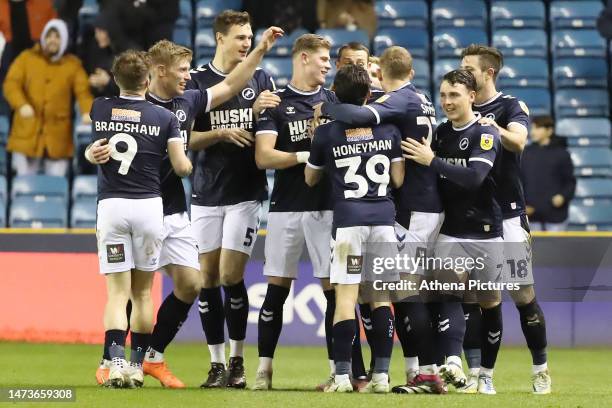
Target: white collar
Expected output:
[497,95]
[294,89]
[477,117]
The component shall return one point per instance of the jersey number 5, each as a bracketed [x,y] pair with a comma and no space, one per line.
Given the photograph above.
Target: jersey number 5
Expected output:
[351,175]
[124,157]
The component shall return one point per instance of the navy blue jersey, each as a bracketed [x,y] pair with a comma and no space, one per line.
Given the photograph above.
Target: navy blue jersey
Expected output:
[290,121]
[506,109]
[415,116]
[472,214]
[375,93]
[185,108]
[358,163]
[225,173]
[140,132]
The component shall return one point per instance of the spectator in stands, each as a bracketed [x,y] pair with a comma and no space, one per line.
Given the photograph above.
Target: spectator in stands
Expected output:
[349,14]
[97,53]
[548,177]
[39,87]
[604,22]
[288,14]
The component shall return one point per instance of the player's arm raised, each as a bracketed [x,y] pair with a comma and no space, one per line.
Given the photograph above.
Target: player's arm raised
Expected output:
[239,77]
[267,157]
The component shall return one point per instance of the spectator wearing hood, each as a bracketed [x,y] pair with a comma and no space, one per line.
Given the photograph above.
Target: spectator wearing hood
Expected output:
[97,53]
[39,87]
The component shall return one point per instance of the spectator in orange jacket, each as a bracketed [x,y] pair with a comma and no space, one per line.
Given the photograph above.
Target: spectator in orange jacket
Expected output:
[39,87]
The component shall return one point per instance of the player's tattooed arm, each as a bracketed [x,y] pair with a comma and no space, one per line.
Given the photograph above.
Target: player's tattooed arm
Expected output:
[244,71]
[98,152]
[267,157]
[514,138]
[237,136]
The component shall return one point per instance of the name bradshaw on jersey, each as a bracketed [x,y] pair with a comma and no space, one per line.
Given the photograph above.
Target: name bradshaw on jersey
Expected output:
[102,126]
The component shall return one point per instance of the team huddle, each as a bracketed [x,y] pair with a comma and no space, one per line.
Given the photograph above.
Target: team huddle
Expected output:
[355,168]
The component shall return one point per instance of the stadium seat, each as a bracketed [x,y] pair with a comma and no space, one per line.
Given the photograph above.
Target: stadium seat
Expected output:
[582,102]
[25,212]
[590,191]
[283,46]
[415,40]
[207,10]
[451,13]
[519,72]
[577,43]
[449,42]
[408,13]
[2,214]
[182,36]
[280,69]
[84,187]
[521,43]
[83,214]
[574,14]
[3,160]
[580,73]
[518,14]
[440,68]
[87,13]
[537,99]
[82,139]
[40,188]
[339,36]
[3,190]
[4,128]
[422,77]
[186,14]
[591,161]
[590,217]
[205,44]
[584,131]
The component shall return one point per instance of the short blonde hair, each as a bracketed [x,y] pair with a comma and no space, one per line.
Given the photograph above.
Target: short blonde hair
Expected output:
[166,52]
[309,43]
[131,70]
[396,62]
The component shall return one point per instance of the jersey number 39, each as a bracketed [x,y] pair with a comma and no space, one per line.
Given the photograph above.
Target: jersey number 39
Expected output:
[124,157]
[351,176]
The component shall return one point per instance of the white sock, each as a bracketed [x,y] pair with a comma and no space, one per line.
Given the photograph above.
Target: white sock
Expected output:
[486,371]
[430,369]
[475,371]
[332,367]
[154,356]
[412,364]
[236,348]
[217,353]
[339,378]
[265,364]
[539,368]
[456,360]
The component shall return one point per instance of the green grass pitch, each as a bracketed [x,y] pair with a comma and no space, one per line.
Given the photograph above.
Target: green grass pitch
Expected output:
[580,379]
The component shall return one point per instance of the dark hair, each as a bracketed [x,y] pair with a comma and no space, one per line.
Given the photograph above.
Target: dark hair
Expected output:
[543,121]
[226,19]
[352,84]
[488,57]
[461,76]
[131,70]
[354,46]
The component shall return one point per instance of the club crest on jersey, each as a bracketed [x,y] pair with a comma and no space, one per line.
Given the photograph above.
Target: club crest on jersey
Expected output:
[358,134]
[486,141]
[181,115]
[464,143]
[524,107]
[382,99]
[248,93]
[290,110]
[490,116]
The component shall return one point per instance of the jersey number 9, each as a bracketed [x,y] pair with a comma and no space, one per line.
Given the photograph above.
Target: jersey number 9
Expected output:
[351,176]
[124,157]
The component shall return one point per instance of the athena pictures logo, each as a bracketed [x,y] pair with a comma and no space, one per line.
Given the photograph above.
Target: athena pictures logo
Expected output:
[248,93]
[181,115]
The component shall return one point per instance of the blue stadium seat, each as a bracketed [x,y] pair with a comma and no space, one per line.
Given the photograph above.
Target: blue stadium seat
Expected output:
[440,68]
[339,36]
[591,161]
[407,13]
[87,13]
[415,40]
[4,128]
[186,14]
[537,99]
[519,72]
[2,214]
[25,212]
[582,102]
[83,214]
[518,14]
[451,13]
[521,43]
[422,77]
[449,42]
[207,10]
[580,73]
[574,14]
[40,188]
[584,131]
[590,191]
[590,217]
[182,36]
[205,44]
[84,186]
[577,43]
[283,46]
[3,190]
[280,69]
[3,161]
[82,138]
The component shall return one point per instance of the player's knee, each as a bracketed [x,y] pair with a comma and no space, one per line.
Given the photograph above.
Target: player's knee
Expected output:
[523,296]
[188,285]
[231,277]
